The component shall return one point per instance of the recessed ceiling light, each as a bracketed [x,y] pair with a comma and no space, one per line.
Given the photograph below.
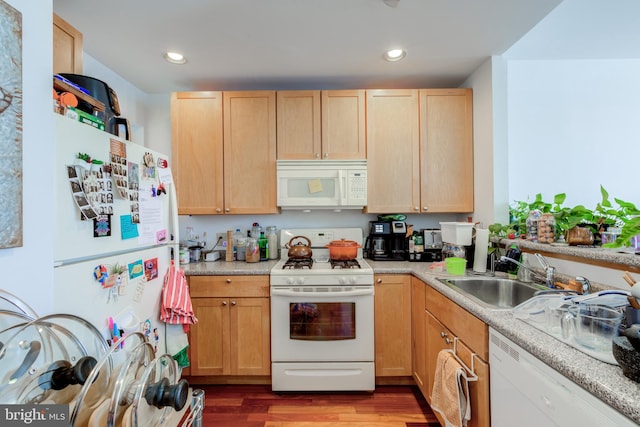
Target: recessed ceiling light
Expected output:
[175,57]
[394,55]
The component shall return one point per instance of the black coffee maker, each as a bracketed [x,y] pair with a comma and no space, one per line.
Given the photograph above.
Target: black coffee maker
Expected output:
[387,241]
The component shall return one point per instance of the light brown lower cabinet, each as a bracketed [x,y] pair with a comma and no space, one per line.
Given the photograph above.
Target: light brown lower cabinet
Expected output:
[392,325]
[232,336]
[419,335]
[446,323]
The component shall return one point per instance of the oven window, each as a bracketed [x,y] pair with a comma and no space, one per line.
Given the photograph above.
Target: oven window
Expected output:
[324,321]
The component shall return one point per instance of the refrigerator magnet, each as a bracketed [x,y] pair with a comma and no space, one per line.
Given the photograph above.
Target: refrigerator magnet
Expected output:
[100,274]
[135,269]
[151,268]
[161,236]
[102,226]
[149,166]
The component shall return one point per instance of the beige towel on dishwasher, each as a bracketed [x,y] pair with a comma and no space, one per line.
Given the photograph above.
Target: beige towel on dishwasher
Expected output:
[450,394]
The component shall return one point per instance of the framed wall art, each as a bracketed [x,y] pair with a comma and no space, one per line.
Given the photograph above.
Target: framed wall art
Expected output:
[10,126]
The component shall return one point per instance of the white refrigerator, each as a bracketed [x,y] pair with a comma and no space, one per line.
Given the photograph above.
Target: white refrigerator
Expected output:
[114,223]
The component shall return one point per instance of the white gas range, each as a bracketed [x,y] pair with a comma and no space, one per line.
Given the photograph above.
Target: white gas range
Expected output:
[322,335]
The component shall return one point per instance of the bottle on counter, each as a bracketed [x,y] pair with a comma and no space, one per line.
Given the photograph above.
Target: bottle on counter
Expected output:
[272,238]
[255,230]
[418,243]
[263,244]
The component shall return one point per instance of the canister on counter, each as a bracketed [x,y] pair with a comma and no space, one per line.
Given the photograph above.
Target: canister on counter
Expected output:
[241,249]
[253,250]
[184,255]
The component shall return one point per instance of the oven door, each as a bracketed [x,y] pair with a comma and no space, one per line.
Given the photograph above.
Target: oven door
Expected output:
[322,324]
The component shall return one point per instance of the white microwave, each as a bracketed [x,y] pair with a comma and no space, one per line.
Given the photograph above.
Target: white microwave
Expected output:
[322,184]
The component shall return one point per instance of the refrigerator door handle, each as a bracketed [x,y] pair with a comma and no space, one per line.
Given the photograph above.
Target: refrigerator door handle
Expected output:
[173,208]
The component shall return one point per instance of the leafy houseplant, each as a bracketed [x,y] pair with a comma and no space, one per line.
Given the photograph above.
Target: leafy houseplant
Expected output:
[566,218]
[626,216]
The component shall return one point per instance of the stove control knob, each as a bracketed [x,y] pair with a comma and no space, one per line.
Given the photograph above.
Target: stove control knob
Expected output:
[353,280]
[300,281]
[291,281]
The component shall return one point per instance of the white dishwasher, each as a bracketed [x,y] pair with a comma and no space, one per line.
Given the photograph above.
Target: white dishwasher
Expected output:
[525,392]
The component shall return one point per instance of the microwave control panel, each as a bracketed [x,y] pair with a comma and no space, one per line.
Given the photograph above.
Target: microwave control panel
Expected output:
[357,188]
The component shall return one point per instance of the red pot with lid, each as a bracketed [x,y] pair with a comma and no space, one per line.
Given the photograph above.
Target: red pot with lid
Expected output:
[342,249]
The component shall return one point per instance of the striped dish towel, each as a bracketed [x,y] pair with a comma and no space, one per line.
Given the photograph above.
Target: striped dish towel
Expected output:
[176,301]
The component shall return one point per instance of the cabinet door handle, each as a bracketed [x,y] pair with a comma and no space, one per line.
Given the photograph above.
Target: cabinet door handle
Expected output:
[424,208]
[317,155]
[379,281]
[447,340]
[416,208]
[443,334]
[234,303]
[227,210]
[228,280]
[224,303]
[326,155]
[218,210]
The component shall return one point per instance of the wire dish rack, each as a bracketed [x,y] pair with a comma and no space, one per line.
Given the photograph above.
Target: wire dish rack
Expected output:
[61,359]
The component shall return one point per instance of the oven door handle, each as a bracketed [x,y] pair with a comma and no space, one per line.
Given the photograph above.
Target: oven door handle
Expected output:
[288,293]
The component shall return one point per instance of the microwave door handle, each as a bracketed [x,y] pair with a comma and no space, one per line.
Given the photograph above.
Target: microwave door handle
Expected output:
[343,187]
[288,293]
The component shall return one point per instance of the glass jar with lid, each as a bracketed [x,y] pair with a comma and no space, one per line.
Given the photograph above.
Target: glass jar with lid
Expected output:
[547,228]
[532,225]
[252,253]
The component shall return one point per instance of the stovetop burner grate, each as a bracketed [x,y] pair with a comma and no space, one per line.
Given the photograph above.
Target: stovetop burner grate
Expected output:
[344,263]
[298,263]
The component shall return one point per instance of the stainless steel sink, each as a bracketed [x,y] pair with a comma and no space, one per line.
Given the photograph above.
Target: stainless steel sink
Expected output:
[493,292]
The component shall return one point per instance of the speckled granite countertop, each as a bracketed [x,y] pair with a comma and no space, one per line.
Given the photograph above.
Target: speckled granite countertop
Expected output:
[601,379]
[221,268]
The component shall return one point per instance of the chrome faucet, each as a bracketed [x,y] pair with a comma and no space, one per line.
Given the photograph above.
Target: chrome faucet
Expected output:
[550,271]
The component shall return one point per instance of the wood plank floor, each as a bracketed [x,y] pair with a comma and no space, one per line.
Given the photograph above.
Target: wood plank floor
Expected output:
[258,406]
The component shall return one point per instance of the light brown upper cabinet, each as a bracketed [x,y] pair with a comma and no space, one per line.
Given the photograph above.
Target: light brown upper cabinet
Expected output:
[420,150]
[224,152]
[197,152]
[67,47]
[314,125]
[250,152]
[446,150]
[393,151]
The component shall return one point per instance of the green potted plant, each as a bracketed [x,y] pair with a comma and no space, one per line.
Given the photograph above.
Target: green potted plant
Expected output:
[626,216]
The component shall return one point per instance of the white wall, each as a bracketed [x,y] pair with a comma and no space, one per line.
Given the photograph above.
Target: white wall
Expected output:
[27,270]
[489,142]
[573,126]
[212,224]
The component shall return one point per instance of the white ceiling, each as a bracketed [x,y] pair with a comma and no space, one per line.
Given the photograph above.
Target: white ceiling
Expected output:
[326,44]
